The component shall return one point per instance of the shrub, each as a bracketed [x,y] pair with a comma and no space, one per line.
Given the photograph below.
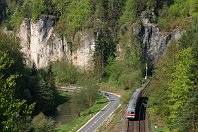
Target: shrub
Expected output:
[76,16]
[42,124]
[65,73]
[38,7]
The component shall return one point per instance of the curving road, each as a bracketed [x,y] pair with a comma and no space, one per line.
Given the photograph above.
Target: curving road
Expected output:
[103,114]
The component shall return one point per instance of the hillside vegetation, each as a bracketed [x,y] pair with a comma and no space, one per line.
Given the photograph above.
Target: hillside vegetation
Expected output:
[173,94]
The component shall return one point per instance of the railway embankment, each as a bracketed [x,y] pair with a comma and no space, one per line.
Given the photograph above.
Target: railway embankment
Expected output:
[118,122]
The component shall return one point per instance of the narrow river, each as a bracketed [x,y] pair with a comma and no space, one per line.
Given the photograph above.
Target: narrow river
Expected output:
[64,114]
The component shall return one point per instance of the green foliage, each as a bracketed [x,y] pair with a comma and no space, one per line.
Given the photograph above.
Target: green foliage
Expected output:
[189,38]
[78,13]
[21,87]
[193,7]
[164,24]
[174,87]
[100,16]
[130,12]
[190,107]
[127,96]
[104,49]
[46,94]
[86,115]
[65,73]
[107,12]
[19,14]
[75,17]
[38,8]
[61,98]
[180,8]
[176,79]
[42,124]
[90,91]
[179,87]
[14,112]
[132,9]
[175,13]
[17,18]
[11,6]
[61,5]
[88,94]
[123,76]
[160,82]
[126,72]
[26,9]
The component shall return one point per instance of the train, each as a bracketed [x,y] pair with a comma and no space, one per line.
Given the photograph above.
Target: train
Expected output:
[132,106]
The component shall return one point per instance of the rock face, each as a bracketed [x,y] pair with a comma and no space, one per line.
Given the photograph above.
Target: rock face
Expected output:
[41,44]
[153,41]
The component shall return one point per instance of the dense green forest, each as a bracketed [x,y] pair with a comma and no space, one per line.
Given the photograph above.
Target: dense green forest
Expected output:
[176,79]
[24,91]
[27,93]
[173,93]
[173,90]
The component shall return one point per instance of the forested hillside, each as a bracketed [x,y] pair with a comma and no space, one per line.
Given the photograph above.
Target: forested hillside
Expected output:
[24,91]
[173,90]
[175,79]
[119,59]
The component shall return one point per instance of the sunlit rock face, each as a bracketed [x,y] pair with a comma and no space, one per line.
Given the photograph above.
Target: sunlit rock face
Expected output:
[41,44]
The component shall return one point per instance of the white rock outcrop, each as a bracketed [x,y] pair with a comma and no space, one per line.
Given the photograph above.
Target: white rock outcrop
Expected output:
[40,44]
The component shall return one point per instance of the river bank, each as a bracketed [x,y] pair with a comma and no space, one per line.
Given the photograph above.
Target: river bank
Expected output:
[77,122]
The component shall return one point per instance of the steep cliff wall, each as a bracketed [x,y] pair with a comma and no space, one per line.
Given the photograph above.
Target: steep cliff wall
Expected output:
[41,44]
[153,41]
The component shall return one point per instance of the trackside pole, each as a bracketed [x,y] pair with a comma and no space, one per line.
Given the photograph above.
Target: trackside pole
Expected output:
[146,71]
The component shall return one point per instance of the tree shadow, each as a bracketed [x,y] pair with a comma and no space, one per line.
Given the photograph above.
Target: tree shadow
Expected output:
[141,109]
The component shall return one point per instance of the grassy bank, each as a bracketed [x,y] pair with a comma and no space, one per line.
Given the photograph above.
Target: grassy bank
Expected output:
[62,97]
[156,128]
[113,124]
[85,116]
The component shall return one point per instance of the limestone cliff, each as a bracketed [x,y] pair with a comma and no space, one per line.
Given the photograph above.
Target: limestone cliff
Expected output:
[153,42]
[41,44]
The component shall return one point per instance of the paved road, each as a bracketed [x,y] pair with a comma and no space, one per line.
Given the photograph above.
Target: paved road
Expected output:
[95,122]
[70,88]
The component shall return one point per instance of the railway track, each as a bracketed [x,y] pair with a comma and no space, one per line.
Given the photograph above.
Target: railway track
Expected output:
[139,123]
[136,126]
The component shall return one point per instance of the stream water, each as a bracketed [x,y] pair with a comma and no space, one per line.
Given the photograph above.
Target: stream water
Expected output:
[64,113]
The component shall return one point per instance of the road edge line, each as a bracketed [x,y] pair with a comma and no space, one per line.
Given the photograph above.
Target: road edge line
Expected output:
[108,116]
[96,113]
